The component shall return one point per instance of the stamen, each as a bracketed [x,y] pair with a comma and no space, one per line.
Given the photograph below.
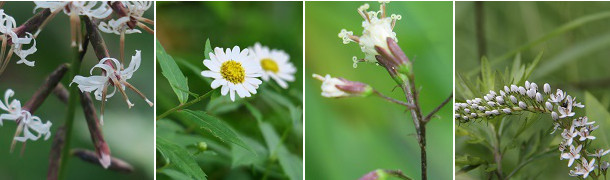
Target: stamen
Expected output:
[79,35]
[104,92]
[354,38]
[382,9]
[122,47]
[46,21]
[146,28]
[17,132]
[73,19]
[145,20]
[138,92]
[117,84]
[4,41]
[7,59]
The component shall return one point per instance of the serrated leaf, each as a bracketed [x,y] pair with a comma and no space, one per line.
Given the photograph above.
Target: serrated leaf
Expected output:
[219,129]
[172,73]
[207,49]
[180,159]
[290,163]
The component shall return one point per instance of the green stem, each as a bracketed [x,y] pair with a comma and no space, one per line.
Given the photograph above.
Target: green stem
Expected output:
[187,104]
[72,101]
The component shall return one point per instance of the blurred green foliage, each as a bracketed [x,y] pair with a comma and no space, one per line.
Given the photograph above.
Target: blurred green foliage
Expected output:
[574,37]
[269,123]
[128,132]
[347,138]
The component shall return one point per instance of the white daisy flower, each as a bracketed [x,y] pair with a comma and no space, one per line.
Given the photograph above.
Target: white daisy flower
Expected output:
[234,70]
[110,77]
[376,30]
[275,64]
[31,126]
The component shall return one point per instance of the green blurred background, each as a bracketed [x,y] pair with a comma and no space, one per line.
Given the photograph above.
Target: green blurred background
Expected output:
[128,132]
[575,61]
[183,28]
[347,138]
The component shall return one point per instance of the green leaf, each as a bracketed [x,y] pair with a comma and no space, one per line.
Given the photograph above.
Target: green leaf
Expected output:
[530,68]
[219,129]
[255,112]
[290,163]
[180,159]
[596,112]
[241,157]
[207,49]
[467,159]
[170,70]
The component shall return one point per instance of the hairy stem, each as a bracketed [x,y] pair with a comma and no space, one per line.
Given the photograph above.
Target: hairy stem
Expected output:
[407,87]
[187,104]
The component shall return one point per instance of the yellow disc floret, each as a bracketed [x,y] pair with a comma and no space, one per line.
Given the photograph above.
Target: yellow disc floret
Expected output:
[269,65]
[233,71]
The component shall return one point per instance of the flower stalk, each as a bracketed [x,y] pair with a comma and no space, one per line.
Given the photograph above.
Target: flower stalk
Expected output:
[91,157]
[185,105]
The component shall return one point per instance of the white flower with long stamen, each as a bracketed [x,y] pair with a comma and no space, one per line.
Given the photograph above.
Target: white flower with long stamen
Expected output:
[376,30]
[234,70]
[574,154]
[7,24]
[31,126]
[74,9]
[135,11]
[111,76]
[274,63]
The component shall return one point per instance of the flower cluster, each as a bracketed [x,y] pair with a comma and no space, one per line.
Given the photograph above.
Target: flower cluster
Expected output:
[32,126]
[377,28]
[237,71]
[576,134]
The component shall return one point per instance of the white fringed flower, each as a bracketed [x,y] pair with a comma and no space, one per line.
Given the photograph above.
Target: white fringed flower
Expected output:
[135,10]
[329,86]
[7,24]
[92,9]
[376,30]
[275,64]
[234,70]
[31,126]
[110,77]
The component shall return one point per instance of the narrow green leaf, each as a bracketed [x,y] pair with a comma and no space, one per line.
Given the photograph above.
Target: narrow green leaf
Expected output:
[486,75]
[207,49]
[531,67]
[219,129]
[596,112]
[290,163]
[180,159]
[170,70]
[255,112]
[240,156]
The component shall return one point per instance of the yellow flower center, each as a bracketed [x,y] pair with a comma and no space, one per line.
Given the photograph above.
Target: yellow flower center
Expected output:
[269,65]
[233,72]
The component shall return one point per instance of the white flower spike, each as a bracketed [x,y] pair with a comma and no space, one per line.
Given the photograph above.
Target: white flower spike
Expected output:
[234,70]
[274,63]
[110,77]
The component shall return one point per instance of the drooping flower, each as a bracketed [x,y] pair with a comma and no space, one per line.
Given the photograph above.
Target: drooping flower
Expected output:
[339,87]
[234,70]
[131,16]
[114,75]
[74,9]
[31,126]
[274,63]
[377,28]
[7,26]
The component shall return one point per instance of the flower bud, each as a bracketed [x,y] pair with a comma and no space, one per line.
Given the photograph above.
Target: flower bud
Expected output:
[522,90]
[547,88]
[506,89]
[554,115]
[527,85]
[538,97]
[513,99]
[514,88]
[339,87]
[500,100]
[375,175]
[549,106]
[522,105]
[506,110]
